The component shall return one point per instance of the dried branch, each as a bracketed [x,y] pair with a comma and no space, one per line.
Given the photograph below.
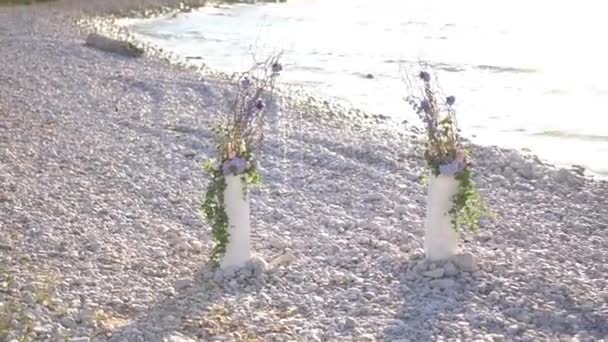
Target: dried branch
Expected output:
[242,128]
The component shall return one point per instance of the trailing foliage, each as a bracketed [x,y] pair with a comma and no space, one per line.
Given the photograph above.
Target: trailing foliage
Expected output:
[215,211]
[214,208]
[239,136]
[443,152]
[468,205]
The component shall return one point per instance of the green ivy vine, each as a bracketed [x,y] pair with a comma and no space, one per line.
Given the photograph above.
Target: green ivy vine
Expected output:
[215,211]
[468,206]
[214,208]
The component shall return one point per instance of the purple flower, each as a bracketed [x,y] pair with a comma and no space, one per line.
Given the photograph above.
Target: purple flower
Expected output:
[245,82]
[425,76]
[451,169]
[234,166]
[424,107]
[450,100]
[277,68]
[259,104]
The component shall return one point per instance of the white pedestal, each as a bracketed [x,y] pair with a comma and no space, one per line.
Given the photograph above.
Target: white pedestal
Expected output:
[440,238]
[238,251]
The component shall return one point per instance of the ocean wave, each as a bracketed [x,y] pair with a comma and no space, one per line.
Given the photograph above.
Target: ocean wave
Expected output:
[436,65]
[448,67]
[577,136]
[495,68]
[159,35]
[463,67]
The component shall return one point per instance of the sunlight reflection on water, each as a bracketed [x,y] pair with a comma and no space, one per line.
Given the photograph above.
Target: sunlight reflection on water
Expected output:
[525,74]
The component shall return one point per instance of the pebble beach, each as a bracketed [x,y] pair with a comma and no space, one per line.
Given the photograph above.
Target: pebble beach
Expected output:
[101,237]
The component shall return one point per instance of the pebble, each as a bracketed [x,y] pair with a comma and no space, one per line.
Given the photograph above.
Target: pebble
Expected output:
[177,337]
[495,338]
[183,246]
[68,322]
[278,243]
[80,339]
[43,329]
[259,265]
[93,245]
[373,197]
[401,209]
[105,199]
[564,176]
[5,197]
[182,283]
[283,260]
[196,246]
[366,338]
[350,323]
[513,329]
[466,262]
[369,295]
[444,283]
[435,273]
[449,269]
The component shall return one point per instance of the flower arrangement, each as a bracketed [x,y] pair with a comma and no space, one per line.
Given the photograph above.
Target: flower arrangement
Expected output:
[239,135]
[443,151]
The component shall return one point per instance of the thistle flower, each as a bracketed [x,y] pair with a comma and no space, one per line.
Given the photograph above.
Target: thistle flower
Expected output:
[234,166]
[425,76]
[450,169]
[424,106]
[245,82]
[450,100]
[277,68]
[259,104]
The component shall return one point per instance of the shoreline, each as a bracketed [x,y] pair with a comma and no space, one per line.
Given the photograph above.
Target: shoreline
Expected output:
[108,25]
[565,160]
[101,184]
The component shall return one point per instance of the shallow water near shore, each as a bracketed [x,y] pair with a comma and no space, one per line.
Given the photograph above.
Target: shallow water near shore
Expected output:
[525,76]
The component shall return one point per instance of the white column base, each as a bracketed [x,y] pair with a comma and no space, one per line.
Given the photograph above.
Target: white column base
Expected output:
[440,238]
[238,250]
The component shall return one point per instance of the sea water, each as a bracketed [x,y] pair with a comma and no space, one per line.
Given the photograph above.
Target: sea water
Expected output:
[531,75]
